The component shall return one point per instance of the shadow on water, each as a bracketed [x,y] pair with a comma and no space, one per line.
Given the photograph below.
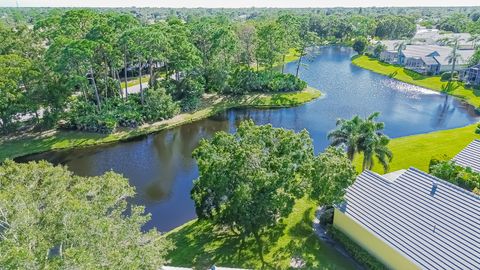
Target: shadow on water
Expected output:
[160,165]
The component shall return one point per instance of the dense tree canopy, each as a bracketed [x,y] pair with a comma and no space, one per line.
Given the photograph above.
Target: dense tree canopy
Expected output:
[332,174]
[51,219]
[250,179]
[101,56]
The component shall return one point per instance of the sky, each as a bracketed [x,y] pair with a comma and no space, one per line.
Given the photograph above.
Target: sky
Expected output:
[235,3]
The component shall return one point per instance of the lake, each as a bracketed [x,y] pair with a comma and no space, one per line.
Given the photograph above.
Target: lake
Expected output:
[160,165]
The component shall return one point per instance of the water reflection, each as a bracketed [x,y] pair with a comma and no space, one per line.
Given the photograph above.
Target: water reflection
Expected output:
[160,165]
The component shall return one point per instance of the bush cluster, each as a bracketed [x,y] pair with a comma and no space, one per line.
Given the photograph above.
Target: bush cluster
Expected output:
[117,112]
[246,80]
[460,176]
[446,75]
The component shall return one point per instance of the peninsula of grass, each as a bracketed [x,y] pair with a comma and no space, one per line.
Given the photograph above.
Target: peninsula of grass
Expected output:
[200,244]
[417,150]
[472,96]
[210,105]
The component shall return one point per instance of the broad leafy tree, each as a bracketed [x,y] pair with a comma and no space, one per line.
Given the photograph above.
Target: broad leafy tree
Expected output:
[251,179]
[51,219]
[332,174]
[360,45]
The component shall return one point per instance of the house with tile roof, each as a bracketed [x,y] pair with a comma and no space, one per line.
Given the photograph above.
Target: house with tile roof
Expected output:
[412,220]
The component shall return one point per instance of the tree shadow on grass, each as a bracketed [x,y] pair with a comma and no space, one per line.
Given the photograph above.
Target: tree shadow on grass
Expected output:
[393,74]
[200,244]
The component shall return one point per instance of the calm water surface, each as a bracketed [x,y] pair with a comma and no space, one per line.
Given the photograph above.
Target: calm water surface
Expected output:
[160,165]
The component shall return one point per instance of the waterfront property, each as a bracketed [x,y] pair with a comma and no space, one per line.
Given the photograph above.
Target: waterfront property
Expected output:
[409,219]
[471,75]
[424,59]
[470,156]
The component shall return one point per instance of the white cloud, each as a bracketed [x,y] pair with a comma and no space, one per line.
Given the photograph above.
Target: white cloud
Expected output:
[235,3]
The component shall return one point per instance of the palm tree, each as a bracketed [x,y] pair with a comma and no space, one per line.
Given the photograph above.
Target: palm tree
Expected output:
[365,136]
[400,46]
[454,56]
[347,134]
[475,39]
[373,143]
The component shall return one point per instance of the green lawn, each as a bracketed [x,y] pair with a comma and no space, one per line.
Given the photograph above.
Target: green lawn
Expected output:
[292,55]
[212,104]
[136,81]
[199,244]
[472,96]
[417,150]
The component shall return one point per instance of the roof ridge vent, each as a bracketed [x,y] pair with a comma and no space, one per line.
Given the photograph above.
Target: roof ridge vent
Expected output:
[434,188]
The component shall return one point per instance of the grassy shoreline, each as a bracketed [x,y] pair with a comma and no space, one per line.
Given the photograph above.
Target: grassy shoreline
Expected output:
[417,150]
[471,96]
[212,104]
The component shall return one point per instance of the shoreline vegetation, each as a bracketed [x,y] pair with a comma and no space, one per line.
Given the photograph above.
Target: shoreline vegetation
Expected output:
[471,96]
[13,147]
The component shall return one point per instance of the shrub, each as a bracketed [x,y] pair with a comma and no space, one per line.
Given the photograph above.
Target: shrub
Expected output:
[327,216]
[356,251]
[446,75]
[242,81]
[159,105]
[460,176]
[188,90]
[117,112]
[437,159]
[246,80]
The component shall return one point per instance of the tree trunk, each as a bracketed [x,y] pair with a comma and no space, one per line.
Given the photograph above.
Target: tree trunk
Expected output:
[283,63]
[150,81]
[119,84]
[453,69]
[299,62]
[125,73]
[37,117]
[259,245]
[140,79]
[106,84]
[97,96]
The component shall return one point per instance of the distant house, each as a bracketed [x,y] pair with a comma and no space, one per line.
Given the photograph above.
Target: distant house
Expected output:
[412,220]
[425,59]
[390,54]
[471,75]
[435,37]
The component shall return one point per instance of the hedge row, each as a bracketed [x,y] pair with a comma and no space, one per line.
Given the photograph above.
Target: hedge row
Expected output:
[355,250]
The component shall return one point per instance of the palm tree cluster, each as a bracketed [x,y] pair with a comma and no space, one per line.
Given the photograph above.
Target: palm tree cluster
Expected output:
[363,135]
